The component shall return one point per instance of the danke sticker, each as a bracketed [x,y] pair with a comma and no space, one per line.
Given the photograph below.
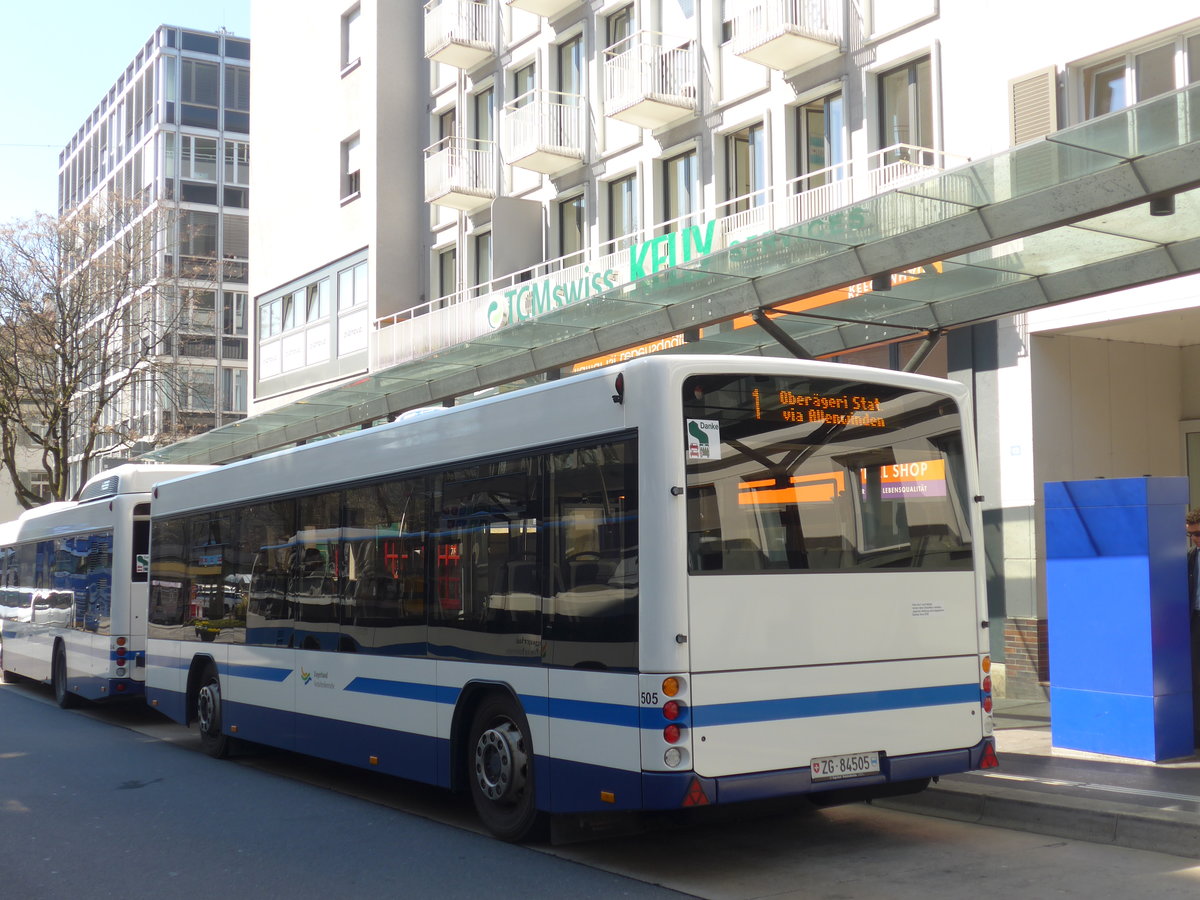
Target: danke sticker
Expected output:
[703,439]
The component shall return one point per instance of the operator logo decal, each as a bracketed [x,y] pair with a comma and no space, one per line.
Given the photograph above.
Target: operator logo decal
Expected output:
[306,676]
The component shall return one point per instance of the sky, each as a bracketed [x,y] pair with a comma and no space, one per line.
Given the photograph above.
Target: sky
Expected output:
[57,60]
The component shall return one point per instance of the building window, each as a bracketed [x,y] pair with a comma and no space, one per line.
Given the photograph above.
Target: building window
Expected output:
[483,258]
[622,211]
[317,300]
[571,231]
[570,68]
[352,286]
[199,158]
[524,80]
[237,99]
[447,269]
[236,247]
[906,110]
[197,242]
[619,25]
[351,169]
[447,122]
[351,38]
[237,162]
[200,93]
[1132,77]
[820,139]
[746,161]
[199,311]
[681,189]
[233,390]
[197,389]
[233,313]
[484,124]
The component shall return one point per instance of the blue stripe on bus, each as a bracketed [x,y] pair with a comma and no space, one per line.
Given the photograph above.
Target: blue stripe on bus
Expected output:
[833,705]
[591,711]
[259,673]
[406,690]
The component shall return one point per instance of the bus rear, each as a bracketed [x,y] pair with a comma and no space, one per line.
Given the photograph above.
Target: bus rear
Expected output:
[835,620]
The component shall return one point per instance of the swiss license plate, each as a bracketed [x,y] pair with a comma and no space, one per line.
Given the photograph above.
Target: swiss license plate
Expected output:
[852,765]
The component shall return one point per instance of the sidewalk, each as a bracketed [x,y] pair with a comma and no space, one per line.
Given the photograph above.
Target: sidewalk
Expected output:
[1069,794]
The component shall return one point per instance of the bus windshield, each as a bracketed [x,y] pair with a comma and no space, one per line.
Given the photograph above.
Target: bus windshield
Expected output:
[822,475]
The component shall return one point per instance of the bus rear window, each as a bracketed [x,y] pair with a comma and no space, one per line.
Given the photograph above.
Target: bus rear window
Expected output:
[822,475]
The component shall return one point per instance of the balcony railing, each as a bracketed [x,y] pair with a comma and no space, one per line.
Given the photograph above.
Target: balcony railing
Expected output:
[523,295]
[460,173]
[787,34]
[547,8]
[650,79]
[544,131]
[460,33]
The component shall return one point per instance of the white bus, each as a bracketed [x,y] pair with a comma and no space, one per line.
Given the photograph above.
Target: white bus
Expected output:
[73,586]
[679,581]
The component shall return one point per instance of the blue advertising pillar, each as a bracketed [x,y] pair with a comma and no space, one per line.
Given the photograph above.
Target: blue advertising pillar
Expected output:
[1117,613]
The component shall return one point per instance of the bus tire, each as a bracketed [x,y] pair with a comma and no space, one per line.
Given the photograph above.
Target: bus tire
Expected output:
[58,678]
[209,714]
[500,769]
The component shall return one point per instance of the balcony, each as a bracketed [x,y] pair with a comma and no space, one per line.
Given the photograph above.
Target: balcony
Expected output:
[545,8]
[544,131]
[460,33]
[460,173]
[650,80]
[825,199]
[787,34]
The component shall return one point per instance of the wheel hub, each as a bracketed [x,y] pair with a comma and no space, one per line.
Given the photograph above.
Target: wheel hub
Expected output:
[500,762]
[207,705]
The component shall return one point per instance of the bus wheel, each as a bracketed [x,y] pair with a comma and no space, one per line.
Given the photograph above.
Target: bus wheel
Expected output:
[501,769]
[208,713]
[58,677]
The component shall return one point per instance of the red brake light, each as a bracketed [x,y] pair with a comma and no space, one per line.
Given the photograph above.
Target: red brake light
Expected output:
[671,734]
[671,710]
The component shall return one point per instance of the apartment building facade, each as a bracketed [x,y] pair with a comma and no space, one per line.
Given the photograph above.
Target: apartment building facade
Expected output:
[171,136]
[478,162]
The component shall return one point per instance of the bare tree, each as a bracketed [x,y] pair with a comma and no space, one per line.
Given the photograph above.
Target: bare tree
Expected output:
[85,314]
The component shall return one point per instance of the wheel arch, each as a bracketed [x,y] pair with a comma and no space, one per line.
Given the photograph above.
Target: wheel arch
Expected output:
[469,699]
[200,664]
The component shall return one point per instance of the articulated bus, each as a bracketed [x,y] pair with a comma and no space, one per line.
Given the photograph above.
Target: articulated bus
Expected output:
[675,582]
[73,587]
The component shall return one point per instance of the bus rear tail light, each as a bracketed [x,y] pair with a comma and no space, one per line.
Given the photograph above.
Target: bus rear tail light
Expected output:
[671,734]
[672,710]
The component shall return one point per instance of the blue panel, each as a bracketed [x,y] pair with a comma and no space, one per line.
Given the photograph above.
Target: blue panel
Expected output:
[1116,584]
[1088,636]
[1096,531]
[1138,727]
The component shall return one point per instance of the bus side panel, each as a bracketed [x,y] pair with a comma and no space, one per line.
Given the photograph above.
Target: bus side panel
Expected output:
[27,649]
[594,740]
[166,677]
[354,707]
[258,685]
